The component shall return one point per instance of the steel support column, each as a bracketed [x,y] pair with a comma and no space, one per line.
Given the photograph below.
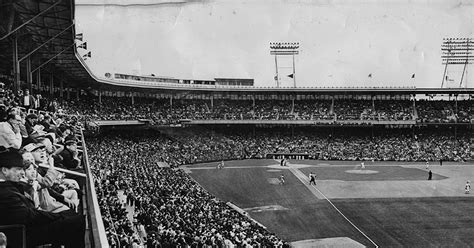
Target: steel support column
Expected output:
[38,80]
[61,88]
[29,76]
[51,85]
[16,66]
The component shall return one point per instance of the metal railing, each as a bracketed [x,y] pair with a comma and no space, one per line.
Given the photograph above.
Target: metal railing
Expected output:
[99,238]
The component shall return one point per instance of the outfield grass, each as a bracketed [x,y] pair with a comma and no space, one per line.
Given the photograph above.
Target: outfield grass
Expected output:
[413,222]
[306,218]
[389,222]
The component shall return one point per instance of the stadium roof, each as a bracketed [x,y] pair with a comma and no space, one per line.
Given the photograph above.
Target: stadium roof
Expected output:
[126,85]
[45,30]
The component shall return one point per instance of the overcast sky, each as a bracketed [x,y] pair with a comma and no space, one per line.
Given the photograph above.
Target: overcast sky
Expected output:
[341,42]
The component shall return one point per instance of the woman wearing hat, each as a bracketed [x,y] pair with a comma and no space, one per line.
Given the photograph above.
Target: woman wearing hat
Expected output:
[61,189]
[38,192]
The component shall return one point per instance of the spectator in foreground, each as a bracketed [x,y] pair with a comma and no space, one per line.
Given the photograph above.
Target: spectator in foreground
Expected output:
[41,227]
[3,240]
[69,155]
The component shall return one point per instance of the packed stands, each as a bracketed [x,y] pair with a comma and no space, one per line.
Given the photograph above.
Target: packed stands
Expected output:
[41,163]
[118,158]
[161,111]
[175,210]
[49,192]
[445,111]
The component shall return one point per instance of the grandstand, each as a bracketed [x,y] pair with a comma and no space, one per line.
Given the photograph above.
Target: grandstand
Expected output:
[148,146]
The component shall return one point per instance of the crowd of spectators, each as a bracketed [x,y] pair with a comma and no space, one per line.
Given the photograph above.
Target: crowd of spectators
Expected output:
[445,111]
[33,190]
[174,209]
[164,111]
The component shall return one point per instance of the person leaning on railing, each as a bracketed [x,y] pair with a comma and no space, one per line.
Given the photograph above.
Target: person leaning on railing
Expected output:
[41,227]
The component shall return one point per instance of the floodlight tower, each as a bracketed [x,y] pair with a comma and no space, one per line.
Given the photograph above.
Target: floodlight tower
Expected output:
[456,51]
[284,49]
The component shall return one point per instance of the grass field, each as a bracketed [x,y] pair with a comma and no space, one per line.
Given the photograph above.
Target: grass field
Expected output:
[395,207]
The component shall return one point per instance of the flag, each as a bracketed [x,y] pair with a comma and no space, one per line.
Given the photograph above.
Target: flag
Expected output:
[370,75]
[276,77]
[87,55]
[79,36]
[83,45]
[413,76]
[291,75]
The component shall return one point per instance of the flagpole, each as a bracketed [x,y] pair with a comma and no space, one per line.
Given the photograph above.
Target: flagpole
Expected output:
[294,75]
[276,68]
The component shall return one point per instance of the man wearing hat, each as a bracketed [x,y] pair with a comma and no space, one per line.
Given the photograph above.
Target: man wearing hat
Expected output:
[41,227]
[70,155]
[30,122]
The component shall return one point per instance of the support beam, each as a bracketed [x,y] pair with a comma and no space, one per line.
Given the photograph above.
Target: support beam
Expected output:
[16,66]
[29,76]
[38,80]
[30,20]
[11,17]
[46,42]
[54,56]
[61,88]
[51,85]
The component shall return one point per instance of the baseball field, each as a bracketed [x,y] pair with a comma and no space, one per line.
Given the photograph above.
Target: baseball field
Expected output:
[385,204]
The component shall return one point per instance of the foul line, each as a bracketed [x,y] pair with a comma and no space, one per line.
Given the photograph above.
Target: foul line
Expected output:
[301,176]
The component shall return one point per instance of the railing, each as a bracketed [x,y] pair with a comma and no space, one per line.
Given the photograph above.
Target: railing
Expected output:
[297,122]
[99,238]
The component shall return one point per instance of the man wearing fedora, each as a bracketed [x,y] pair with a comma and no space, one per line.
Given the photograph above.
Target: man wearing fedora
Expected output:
[41,227]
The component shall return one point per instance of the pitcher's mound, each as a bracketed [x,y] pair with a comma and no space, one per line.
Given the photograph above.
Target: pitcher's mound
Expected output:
[362,171]
[329,242]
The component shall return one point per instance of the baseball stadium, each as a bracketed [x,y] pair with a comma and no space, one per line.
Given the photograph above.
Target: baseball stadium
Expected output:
[203,124]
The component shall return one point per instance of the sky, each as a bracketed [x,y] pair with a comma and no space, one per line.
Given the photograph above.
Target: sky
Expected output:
[341,42]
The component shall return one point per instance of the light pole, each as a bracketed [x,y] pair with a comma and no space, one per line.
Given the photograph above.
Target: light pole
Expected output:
[284,49]
[456,51]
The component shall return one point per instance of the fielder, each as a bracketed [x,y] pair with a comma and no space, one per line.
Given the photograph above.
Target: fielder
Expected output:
[467,188]
[282,179]
[312,178]
[220,165]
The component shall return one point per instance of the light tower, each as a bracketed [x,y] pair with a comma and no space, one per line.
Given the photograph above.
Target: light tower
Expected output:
[284,49]
[456,51]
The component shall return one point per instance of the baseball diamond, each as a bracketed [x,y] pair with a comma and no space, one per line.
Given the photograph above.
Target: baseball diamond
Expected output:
[396,207]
